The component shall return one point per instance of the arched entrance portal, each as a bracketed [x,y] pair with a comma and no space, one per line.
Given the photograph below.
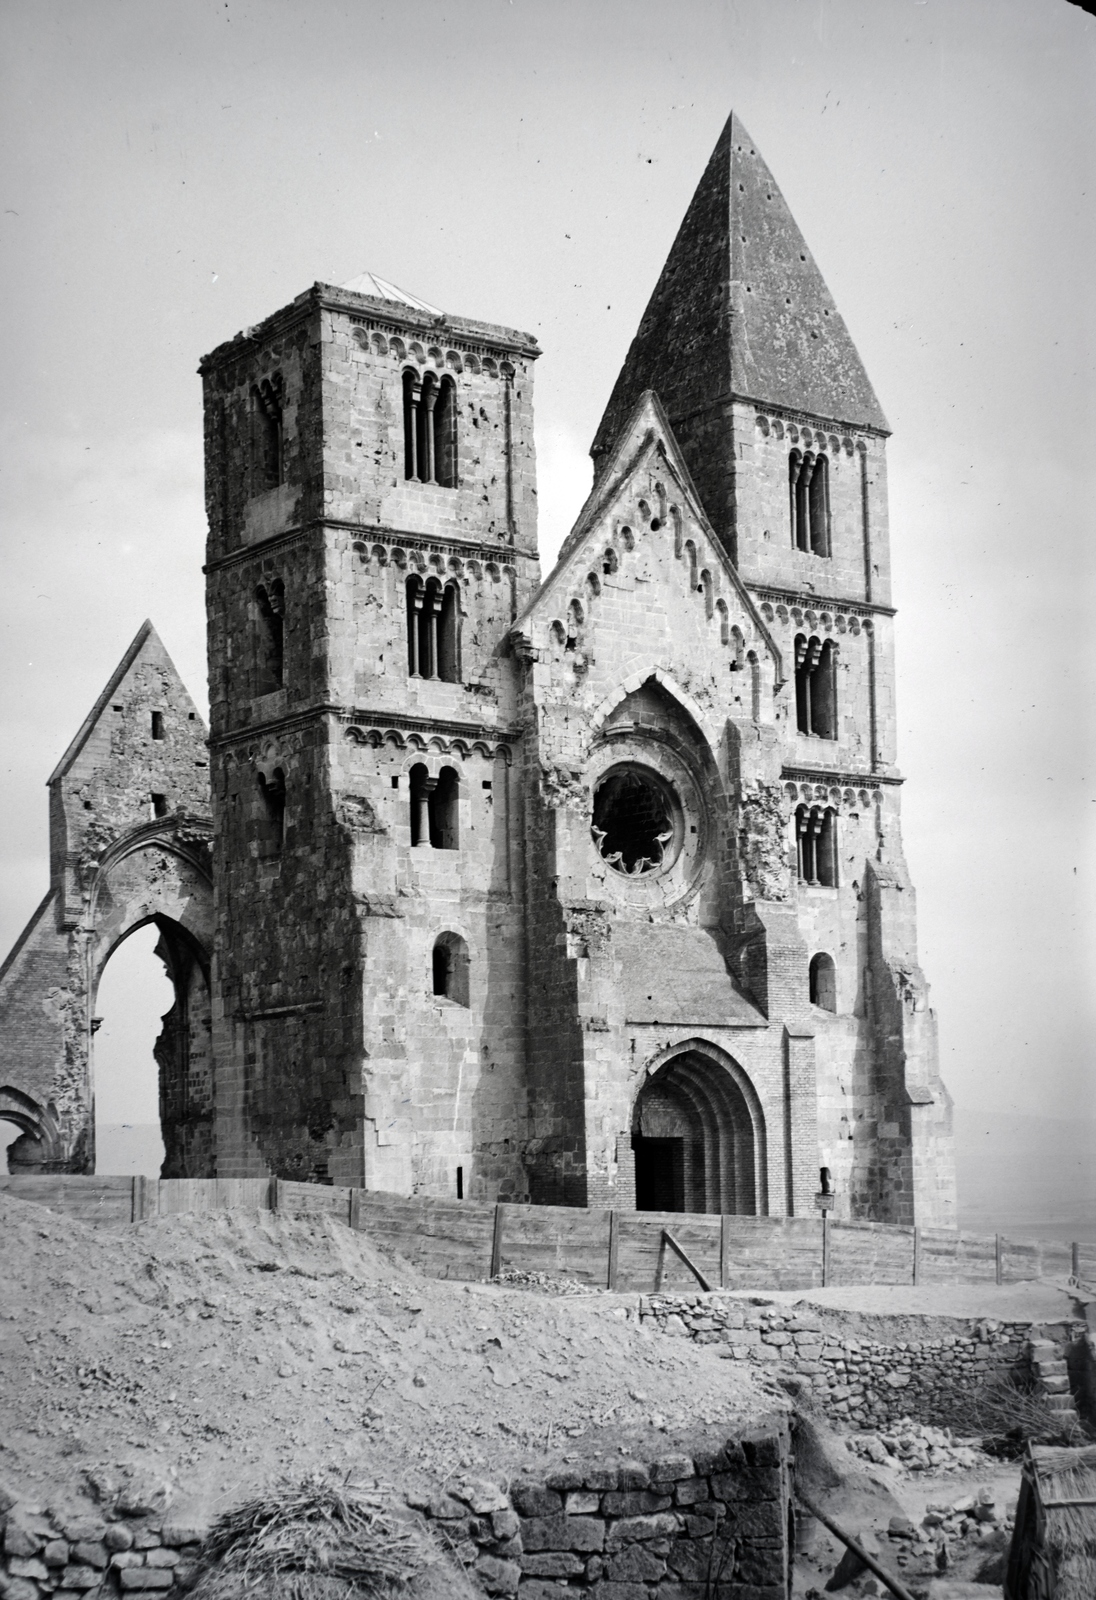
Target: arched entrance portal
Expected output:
[698,1136]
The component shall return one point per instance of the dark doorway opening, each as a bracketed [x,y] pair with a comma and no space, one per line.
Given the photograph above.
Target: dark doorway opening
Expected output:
[660,1174]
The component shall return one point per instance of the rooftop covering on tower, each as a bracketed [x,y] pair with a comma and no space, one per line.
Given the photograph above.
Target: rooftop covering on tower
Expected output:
[741,309]
[380,289]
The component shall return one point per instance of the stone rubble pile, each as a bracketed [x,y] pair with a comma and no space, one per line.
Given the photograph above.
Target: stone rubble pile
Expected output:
[916,1446]
[971,1519]
[543,1282]
[129,1544]
[862,1381]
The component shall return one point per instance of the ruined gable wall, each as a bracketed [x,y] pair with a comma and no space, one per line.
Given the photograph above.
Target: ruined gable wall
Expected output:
[117,858]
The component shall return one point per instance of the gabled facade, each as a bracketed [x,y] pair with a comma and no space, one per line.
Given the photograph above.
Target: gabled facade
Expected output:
[129,845]
[590,890]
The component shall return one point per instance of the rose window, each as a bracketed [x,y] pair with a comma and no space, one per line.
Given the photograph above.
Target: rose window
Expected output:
[634,824]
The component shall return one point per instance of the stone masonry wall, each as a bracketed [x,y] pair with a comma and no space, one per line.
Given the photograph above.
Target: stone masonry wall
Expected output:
[859,1380]
[130,1545]
[630,1530]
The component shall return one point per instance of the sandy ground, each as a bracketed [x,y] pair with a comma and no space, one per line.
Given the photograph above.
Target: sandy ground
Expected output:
[216,1353]
[219,1351]
[1007,1302]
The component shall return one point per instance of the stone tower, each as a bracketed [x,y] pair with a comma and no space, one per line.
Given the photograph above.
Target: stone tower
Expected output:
[372,536]
[785,441]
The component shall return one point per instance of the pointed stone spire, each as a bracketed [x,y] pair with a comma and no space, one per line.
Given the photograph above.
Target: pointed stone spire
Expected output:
[740,310]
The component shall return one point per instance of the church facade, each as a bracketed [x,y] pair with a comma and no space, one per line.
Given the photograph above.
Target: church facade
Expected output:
[581,889]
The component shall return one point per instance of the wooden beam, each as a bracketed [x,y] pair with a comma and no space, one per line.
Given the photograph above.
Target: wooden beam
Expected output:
[496,1244]
[614,1249]
[693,1268]
[895,1586]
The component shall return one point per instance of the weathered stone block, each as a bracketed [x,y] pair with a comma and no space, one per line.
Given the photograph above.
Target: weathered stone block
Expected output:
[563,1533]
[663,1524]
[553,1564]
[534,1500]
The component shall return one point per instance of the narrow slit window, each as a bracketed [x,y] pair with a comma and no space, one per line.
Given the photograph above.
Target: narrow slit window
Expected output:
[157,725]
[158,805]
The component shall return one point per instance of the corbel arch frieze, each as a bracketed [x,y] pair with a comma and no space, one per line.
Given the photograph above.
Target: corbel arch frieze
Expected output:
[824,618]
[428,743]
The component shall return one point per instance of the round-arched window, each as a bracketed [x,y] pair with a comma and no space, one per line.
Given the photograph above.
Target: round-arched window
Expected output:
[637,824]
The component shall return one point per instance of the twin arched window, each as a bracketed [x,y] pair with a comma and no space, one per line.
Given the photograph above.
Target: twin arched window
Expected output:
[270,632]
[435,808]
[429,429]
[809,493]
[433,629]
[816,686]
[816,845]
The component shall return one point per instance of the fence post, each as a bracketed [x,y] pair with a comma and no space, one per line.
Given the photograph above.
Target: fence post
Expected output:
[1075,1261]
[496,1243]
[724,1251]
[272,1195]
[998,1257]
[825,1248]
[916,1256]
[356,1210]
[614,1244]
[276,1184]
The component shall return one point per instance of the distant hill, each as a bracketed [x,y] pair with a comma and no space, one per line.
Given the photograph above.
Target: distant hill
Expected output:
[1029,1176]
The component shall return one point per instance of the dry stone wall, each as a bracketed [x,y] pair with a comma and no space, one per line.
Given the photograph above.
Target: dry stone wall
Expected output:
[131,1545]
[864,1381]
[712,1525]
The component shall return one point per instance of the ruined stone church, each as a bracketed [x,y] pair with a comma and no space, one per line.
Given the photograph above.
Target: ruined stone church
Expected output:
[583,889]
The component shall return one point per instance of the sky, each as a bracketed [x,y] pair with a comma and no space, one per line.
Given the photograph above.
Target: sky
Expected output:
[175,172]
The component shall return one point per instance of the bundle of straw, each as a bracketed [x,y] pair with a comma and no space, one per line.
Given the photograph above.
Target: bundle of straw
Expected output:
[312,1541]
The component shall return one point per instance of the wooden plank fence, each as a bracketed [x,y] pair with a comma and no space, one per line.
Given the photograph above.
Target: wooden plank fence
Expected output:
[627,1250]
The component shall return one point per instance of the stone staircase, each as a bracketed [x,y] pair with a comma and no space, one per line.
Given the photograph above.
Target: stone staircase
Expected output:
[1051,1374]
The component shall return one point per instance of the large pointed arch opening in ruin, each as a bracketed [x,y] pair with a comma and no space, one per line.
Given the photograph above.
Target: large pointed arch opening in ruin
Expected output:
[151,1066]
[698,1135]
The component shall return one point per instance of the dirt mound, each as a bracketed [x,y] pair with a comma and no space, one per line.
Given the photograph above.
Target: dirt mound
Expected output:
[215,1352]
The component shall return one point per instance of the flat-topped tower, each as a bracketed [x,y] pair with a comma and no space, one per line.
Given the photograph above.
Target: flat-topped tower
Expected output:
[372,536]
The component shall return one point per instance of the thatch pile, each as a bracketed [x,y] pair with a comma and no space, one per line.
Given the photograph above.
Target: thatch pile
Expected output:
[1053,1555]
[313,1541]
